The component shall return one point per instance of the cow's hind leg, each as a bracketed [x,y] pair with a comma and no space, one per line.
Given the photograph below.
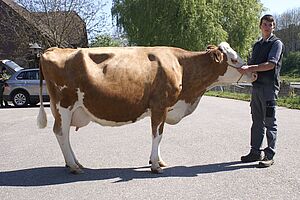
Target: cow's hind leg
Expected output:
[63,139]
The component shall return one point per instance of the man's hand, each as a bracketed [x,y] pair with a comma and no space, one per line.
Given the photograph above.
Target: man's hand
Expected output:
[244,69]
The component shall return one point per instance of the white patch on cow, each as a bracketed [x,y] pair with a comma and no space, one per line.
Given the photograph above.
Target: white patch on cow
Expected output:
[155,152]
[42,117]
[233,58]
[80,117]
[63,139]
[60,88]
[232,76]
[180,110]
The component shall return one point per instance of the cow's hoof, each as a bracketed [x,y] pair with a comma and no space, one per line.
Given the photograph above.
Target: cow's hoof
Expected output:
[158,170]
[161,163]
[79,165]
[76,171]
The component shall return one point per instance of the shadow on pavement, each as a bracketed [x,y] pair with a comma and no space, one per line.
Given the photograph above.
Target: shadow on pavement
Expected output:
[59,175]
[28,106]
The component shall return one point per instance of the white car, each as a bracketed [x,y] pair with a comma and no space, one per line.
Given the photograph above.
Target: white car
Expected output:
[22,88]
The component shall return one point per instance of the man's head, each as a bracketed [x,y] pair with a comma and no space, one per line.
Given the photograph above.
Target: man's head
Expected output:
[267,25]
[268,18]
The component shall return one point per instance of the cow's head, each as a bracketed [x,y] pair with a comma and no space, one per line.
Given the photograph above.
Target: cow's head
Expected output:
[234,61]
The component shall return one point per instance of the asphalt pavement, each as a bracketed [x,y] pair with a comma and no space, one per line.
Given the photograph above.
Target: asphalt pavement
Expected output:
[202,153]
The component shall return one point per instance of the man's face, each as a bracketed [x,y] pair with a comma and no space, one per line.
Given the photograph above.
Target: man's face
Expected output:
[267,27]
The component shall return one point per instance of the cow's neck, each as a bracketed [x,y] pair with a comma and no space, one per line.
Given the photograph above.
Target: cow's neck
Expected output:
[199,71]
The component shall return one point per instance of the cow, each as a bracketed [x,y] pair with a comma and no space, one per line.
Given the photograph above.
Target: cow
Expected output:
[115,86]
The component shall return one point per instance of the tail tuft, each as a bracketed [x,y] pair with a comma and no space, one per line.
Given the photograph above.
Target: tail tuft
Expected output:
[42,118]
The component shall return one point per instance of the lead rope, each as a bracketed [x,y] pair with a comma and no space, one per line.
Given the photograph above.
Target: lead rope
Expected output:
[237,82]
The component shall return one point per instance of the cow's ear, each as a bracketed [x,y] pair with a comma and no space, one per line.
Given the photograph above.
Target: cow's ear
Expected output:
[217,56]
[210,47]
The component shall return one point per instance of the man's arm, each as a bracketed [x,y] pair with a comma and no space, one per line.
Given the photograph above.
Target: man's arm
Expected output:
[273,59]
[266,66]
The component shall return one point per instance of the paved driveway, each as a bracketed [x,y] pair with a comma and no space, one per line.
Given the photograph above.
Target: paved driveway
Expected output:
[202,152]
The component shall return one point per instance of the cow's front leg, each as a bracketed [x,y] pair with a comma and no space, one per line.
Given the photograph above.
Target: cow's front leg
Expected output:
[160,161]
[157,122]
[156,148]
[155,159]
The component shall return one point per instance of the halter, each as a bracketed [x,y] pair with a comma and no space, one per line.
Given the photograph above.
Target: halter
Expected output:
[237,82]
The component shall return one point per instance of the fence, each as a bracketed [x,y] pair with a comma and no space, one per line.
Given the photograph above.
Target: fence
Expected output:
[286,88]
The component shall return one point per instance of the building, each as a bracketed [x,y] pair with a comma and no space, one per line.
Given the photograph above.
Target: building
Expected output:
[21,29]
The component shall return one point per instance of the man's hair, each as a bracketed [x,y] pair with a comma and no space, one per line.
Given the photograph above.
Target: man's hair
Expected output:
[268,18]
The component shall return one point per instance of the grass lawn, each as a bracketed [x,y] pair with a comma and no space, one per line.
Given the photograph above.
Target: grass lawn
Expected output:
[290,78]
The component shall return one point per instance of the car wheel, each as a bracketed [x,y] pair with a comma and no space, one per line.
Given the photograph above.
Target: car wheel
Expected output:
[20,98]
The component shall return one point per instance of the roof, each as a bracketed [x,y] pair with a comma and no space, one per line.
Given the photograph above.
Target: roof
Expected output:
[34,19]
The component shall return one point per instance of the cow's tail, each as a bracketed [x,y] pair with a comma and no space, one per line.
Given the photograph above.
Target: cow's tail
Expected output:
[42,117]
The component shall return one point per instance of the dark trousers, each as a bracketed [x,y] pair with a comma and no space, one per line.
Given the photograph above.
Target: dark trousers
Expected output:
[2,102]
[263,111]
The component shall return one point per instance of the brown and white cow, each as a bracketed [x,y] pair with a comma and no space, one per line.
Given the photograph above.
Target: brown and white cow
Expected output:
[114,86]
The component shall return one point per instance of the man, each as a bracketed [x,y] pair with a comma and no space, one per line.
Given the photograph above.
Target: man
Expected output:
[266,60]
[3,77]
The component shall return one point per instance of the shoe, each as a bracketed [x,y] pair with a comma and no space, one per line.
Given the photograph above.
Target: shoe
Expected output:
[251,157]
[266,162]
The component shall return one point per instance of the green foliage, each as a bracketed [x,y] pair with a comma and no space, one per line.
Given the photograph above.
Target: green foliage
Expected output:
[190,24]
[289,102]
[229,95]
[240,19]
[105,41]
[181,23]
[291,64]
[290,78]
[292,101]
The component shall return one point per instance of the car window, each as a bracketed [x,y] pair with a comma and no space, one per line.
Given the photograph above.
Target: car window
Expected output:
[28,75]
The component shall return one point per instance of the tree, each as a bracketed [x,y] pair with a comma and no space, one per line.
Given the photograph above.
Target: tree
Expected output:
[105,40]
[291,63]
[288,29]
[240,19]
[175,23]
[61,20]
[288,18]
[189,24]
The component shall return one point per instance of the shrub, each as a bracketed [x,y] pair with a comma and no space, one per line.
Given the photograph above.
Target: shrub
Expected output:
[291,64]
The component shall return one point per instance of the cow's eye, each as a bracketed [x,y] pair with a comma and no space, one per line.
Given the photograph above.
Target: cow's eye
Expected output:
[234,61]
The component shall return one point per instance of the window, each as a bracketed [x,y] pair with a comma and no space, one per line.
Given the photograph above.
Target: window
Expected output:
[28,75]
